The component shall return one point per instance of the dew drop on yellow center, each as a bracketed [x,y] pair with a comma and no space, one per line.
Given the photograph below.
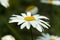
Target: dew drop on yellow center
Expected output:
[52,38]
[30,7]
[51,1]
[29,18]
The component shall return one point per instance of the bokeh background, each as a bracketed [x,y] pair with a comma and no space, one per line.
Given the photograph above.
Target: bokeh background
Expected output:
[18,6]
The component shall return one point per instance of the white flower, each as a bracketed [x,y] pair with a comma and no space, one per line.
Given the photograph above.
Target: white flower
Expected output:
[33,9]
[8,37]
[54,2]
[48,37]
[27,19]
[4,3]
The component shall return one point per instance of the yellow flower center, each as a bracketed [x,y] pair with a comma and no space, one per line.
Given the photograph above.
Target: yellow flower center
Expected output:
[30,7]
[29,18]
[52,38]
[51,1]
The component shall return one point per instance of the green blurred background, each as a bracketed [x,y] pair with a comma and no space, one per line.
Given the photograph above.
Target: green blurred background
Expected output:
[18,6]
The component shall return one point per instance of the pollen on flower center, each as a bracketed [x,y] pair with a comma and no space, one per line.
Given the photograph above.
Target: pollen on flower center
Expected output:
[51,1]
[30,7]
[29,18]
[52,38]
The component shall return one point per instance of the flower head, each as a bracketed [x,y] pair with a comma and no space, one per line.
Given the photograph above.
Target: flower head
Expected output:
[48,37]
[33,9]
[54,2]
[8,37]
[27,19]
[4,3]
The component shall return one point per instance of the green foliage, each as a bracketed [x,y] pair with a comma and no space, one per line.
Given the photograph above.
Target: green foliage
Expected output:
[18,6]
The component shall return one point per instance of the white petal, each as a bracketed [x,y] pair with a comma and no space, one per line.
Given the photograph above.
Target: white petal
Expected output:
[58,38]
[23,25]
[36,15]
[56,2]
[36,25]
[44,22]
[12,21]
[33,23]
[14,18]
[45,35]
[4,3]
[39,28]
[23,14]
[16,15]
[28,13]
[43,17]
[8,37]
[20,22]
[34,11]
[28,26]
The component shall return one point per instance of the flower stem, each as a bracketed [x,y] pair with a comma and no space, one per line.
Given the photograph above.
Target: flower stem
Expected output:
[31,34]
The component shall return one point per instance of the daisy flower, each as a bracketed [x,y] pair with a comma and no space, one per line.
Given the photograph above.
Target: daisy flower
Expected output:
[27,19]
[54,2]
[33,9]
[4,3]
[8,37]
[48,37]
